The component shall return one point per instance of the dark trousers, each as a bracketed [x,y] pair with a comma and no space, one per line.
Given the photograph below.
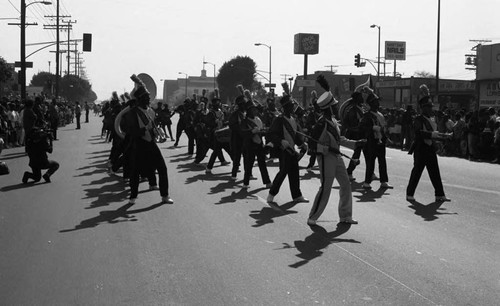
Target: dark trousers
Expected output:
[53,126]
[86,117]
[289,165]
[236,153]
[251,152]
[178,132]
[201,150]
[191,139]
[372,153]
[425,157]
[51,165]
[312,160]
[217,152]
[355,155]
[169,128]
[148,159]
[78,122]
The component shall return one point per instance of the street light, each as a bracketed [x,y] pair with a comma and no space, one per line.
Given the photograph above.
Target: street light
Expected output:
[261,44]
[378,60]
[186,83]
[214,70]
[22,72]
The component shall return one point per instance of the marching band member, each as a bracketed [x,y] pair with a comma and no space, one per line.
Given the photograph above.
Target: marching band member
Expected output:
[283,135]
[331,165]
[144,154]
[235,120]
[374,128]
[215,120]
[424,154]
[252,129]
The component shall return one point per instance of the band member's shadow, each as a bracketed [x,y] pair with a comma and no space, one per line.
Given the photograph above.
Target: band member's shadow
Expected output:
[310,175]
[366,195]
[190,167]
[103,156]
[268,213]
[240,195]
[10,156]
[226,184]
[105,195]
[99,169]
[119,215]
[99,152]
[206,177]
[21,186]
[430,211]
[312,246]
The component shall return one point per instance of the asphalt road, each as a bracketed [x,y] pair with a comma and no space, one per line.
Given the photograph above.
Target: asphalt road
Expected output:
[75,241]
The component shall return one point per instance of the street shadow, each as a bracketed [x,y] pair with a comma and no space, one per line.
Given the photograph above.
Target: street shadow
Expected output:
[99,152]
[310,175]
[268,213]
[210,177]
[10,156]
[366,195]
[189,167]
[106,194]
[21,186]
[103,156]
[240,195]
[226,183]
[430,211]
[312,246]
[119,215]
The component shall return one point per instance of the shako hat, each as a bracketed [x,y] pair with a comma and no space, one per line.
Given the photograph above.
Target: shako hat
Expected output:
[426,96]
[326,99]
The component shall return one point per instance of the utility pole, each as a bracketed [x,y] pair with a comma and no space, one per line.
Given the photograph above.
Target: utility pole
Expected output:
[69,27]
[22,72]
[57,27]
[331,67]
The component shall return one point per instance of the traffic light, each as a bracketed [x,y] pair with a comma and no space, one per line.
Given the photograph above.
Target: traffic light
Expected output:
[87,42]
[357,60]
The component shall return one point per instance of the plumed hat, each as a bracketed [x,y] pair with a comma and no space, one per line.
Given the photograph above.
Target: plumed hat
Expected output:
[286,99]
[204,96]
[215,96]
[139,87]
[426,96]
[326,99]
[240,99]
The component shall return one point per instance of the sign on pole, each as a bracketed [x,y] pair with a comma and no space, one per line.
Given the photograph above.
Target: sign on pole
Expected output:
[270,85]
[306,83]
[395,50]
[306,43]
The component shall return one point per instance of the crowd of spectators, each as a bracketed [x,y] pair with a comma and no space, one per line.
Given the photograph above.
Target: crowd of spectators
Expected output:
[51,114]
[475,135]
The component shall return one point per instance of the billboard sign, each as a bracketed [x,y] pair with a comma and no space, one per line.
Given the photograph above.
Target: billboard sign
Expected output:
[395,50]
[305,43]
[488,63]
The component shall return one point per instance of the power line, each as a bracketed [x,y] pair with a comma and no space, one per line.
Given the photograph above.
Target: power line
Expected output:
[14,7]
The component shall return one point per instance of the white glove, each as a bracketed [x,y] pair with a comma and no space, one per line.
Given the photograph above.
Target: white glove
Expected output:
[435,134]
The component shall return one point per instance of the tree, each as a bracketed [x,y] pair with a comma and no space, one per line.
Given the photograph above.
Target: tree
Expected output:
[75,88]
[239,70]
[423,74]
[43,79]
[6,70]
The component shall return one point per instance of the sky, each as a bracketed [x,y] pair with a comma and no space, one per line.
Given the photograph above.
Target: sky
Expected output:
[163,38]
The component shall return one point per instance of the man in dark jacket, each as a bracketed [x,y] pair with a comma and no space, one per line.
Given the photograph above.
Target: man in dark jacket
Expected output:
[283,135]
[424,154]
[38,143]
